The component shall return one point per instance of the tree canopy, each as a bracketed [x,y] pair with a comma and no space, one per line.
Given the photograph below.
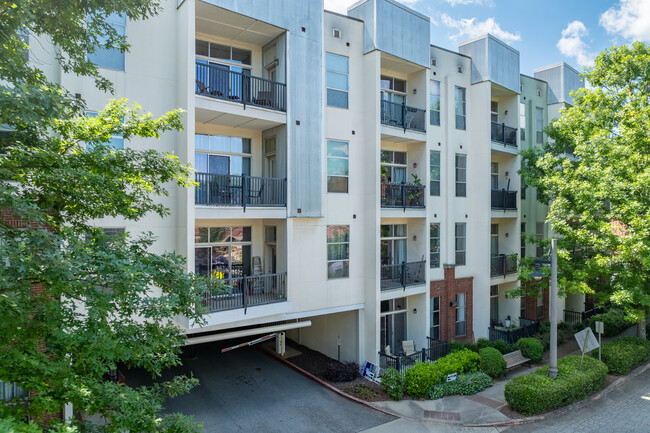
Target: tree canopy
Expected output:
[595,175]
[77,302]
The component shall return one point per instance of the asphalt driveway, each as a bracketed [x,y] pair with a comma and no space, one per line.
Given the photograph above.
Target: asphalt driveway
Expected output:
[247,391]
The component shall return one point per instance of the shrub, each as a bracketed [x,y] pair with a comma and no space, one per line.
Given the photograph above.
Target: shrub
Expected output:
[419,380]
[535,393]
[613,321]
[482,343]
[463,361]
[531,348]
[622,354]
[393,382]
[491,362]
[502,346]
[341,371]
[465,384]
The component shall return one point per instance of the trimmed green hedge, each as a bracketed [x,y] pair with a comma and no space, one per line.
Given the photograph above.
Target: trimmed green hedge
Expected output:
[491,362]
[623,354]
[393,382]
[421,379]
[613,321]
[535,393]
[531,348]
[465,384]
[481,343]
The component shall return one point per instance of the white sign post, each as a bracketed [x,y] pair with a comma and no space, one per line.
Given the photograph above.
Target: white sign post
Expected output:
[587,342]
[600,329]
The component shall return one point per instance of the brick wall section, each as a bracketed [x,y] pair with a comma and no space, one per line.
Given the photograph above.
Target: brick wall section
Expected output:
[447,289]
[531,307]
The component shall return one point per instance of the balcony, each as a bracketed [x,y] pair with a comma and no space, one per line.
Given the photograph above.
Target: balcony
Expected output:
[504,200]
[503,265]
[402,195]
[402,275]
[402,116]
[248,291]
[239,191]
[504,134]
[221,83]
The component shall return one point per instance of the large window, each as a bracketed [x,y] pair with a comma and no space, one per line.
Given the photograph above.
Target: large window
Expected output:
[9,391]
[222,155]
[223,52]
[494,175]
[461,175]
[338,163]
[434,173]
[337,80]
[494,240]
[434,103]
[392,89]
[338,252]
[110,58]
[227,67]
[222,252]
[460,108]
[460,314]
[392,324]
[393,166]
[461,243]
[434,332]
[494,305]
[522,120]
[539,124]
[393,244]
[434,245]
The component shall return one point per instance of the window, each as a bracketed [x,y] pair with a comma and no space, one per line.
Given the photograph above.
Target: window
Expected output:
[392,244]
[392,323]
[494,305]
[460,107]
[110,58]
[113,231]
[434,331]
[523,189]
[393,166]
[116,140]
[539,234]
[393,91]
[539,92]
[460,314]
[9,391]
[338,160]
[223,52]
[494,240]
[222,252]
[222,155]
[461,243]
[337,80]
[523,241]
[539,124]
[336,33]
[494,175]
[338,252]
[522,120]
[538,193]
[434,62]
[460,69]
[461,175]
[540,307]
[522,306]
[434,103]
[434,245]
[434,172]
[494,111]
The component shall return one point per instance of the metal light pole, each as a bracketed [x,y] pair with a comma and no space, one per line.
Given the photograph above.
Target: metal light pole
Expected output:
[552,370]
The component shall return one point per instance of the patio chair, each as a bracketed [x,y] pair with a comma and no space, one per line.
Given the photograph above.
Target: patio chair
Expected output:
[408,347]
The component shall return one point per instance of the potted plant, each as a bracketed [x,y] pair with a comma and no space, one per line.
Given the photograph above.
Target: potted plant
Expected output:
[414,193]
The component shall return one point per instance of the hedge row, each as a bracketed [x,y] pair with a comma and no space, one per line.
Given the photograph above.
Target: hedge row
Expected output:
[623,354]
[535,393]
[465,384]
[500,345]
[613,321]
[420,379]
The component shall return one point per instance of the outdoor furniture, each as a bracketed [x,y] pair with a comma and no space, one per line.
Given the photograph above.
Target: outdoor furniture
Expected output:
[204,90]
[408,347]
[514,359]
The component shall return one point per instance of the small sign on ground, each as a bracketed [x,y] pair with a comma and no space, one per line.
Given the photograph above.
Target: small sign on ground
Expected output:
[586,340]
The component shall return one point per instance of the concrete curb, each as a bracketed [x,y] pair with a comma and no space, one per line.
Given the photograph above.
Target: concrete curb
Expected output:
[575,406]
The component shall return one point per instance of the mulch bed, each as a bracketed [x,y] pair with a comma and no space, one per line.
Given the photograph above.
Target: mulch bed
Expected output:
[317,363]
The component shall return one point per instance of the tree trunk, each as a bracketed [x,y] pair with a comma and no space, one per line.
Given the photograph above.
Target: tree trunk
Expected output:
[640,329]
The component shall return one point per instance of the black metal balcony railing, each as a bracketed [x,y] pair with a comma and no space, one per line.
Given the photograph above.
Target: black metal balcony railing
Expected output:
[248,291]
[221,83]
[402,275]
[503,265]
[504,200]
[235,190]
[404,195]
[401,362]
[577,316]
[402,116]
[527,328]
[504,134]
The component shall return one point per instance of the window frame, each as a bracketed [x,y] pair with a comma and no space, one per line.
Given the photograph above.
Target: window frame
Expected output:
[329,87]
[460,239]
[433,97]
[461,311]
[230,243]
[434,245]
[434,329]
[494,314]
[434,179]
[522,121]
[342,158]
[342,260]
[461,192]
[244,155]
[460,105]
[539,125]
[93,57]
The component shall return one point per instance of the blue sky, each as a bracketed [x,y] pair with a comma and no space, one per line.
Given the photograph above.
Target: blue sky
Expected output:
[544,32]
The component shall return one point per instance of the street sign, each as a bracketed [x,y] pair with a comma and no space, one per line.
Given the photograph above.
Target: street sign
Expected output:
[586,340]
[600,328]
[451,377]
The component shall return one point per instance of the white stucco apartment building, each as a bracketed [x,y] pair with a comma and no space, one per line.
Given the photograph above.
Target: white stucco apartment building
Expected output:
[357,186]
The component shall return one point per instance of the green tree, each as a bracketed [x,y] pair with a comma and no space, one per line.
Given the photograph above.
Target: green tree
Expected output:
[599,200]
[74,301]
